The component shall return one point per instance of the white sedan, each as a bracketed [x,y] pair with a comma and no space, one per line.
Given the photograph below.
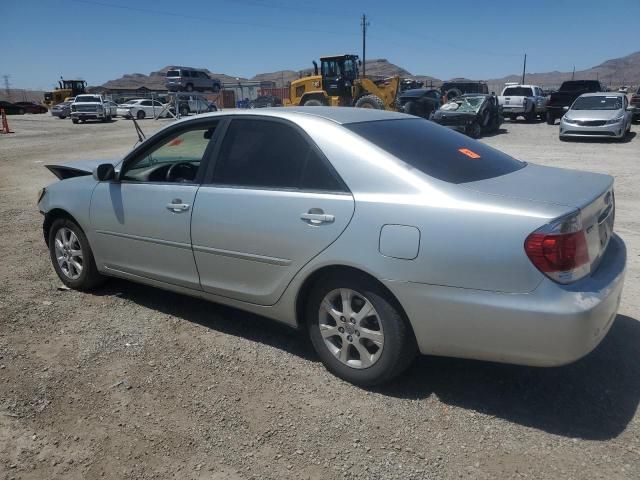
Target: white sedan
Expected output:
[143,108]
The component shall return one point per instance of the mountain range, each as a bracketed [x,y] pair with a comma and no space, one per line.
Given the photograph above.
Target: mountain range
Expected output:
[614,73]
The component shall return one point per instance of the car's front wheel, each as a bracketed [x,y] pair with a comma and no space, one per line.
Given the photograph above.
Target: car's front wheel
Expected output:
[357,330]
[72,257]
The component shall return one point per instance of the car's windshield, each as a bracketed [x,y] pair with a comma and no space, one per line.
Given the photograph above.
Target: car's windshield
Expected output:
[517,92]
[464,105]
[436,151]
[173,73]
[576,85]
[600,102]
[87,99]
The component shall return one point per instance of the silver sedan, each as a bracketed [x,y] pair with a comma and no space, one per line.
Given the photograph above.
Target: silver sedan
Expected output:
[382,234]
[603,115]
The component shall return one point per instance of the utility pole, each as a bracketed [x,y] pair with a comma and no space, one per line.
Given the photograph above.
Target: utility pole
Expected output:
[524,68]
[364,24]
[573,74]
[7,86]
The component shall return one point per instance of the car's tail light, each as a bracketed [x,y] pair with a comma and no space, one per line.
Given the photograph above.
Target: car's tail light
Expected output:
[559,249]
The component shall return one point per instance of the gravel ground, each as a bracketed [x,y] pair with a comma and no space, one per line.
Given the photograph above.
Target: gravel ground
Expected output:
[132,382]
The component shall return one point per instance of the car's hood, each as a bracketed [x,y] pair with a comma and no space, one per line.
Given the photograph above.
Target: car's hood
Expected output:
[453,114]
[78,168]
[594,114]
[559,186]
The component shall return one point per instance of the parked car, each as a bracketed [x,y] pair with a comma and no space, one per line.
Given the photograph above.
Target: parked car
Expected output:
[265,101]
[11,108]
[605,115]
[61,110]
[30,107]
[111,107]
[623,89]
[188,104]
[472,114]
[143,108]
[421,102]
[567,94]
[187,79]
[455,88]
[393,236]
[89,107]
[635,105]
[526,101]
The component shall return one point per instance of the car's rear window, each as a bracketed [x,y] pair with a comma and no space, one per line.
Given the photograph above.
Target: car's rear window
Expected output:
[173,73]
[518,92]
[437,151]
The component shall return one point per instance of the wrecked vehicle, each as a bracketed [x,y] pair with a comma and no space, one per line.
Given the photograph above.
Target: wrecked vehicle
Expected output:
[472,114]
[421,102]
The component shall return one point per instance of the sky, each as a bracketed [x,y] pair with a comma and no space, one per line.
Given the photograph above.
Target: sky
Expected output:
[99,40]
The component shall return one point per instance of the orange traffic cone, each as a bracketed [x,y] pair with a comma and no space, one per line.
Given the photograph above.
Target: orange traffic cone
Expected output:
[5,123]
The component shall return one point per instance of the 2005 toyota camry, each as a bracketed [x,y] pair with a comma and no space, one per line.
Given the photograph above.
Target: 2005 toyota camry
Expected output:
[383,234]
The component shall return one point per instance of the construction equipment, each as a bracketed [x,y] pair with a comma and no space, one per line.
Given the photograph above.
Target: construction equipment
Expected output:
[338,84]
[66,88]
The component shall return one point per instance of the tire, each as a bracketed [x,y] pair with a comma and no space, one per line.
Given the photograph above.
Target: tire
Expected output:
[530,117]
[370,101]
[140,114]
[313,102]
[474,130]
[75,120]
[551,119]
[62,117]
[184,111]
[414,108]
[87,277]
[386,324]
[189,87]
[453,93]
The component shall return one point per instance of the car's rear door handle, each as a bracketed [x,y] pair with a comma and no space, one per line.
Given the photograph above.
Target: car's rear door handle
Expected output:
[317,218]
[176,206]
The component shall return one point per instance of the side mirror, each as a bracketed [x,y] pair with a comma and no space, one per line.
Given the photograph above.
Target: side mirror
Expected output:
[566,109]
[104,172]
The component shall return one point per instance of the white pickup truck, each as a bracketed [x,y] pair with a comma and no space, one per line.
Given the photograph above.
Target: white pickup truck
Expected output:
[526,101]
[91,107]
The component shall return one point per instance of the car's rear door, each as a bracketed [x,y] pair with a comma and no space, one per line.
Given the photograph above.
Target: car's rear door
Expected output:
[141,222]
[270,204]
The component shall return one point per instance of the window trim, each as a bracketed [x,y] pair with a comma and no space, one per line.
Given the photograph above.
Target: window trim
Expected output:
[171,132]
[209,175]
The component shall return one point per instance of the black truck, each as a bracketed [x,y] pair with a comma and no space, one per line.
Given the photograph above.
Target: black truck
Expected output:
[569,91]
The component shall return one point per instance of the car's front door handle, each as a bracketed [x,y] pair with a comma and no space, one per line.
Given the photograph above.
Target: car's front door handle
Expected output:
[176,206]
[317,218]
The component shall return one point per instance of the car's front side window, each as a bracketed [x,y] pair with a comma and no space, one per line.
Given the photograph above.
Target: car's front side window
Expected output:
[175,159]
[270,154]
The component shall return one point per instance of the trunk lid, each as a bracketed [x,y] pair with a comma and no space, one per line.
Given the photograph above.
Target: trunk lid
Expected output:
[590,193]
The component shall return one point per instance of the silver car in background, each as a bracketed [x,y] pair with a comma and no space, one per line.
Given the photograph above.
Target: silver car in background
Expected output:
[381,234]
[600,115]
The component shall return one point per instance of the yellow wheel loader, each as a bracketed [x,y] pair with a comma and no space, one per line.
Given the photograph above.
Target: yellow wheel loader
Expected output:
[65,89]
[338,84]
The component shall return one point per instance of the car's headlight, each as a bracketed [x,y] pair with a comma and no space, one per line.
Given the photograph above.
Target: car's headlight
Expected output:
[615,120]
[41,193]
[568,119]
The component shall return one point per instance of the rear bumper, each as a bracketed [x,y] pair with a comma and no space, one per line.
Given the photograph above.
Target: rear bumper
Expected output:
[550,326]
[87,115]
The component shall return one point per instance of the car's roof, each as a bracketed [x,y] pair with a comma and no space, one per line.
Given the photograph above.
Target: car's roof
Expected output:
[341,115]
[604,94]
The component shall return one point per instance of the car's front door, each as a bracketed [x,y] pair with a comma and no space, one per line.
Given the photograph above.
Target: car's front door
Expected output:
[271,204]
[142,221]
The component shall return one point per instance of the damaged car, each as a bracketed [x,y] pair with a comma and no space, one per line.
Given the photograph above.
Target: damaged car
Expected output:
[472,114]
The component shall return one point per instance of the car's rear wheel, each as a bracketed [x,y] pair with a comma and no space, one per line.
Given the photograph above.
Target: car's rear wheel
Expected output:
[72,257]
[313,103]
[551,119]
[140,114]
[358,331]
[530,117]
[75,120]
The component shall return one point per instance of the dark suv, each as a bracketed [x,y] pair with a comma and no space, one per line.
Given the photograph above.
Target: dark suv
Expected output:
[186,79]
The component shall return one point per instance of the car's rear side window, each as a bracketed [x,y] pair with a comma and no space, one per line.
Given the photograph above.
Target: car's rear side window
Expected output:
[437,151]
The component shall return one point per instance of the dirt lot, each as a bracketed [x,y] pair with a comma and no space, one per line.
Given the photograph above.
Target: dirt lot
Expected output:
[133,382]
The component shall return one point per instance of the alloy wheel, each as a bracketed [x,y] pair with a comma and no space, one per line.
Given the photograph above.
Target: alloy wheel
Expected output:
[351,328]
[68,253]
